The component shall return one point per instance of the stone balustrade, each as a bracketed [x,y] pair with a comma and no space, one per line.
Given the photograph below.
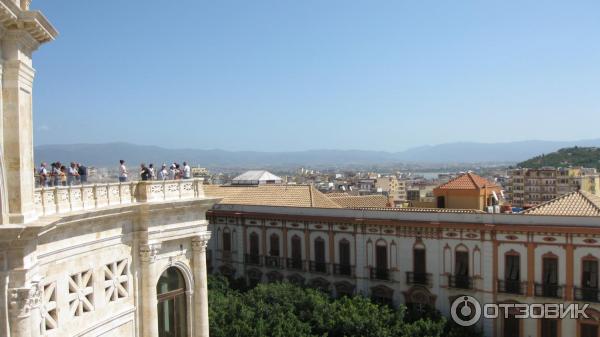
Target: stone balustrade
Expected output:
[65,199]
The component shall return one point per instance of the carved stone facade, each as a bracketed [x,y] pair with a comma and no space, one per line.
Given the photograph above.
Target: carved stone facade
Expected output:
[86,260]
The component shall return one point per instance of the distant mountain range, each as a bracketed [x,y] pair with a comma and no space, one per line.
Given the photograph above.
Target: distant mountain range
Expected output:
[107,155]
[571,156]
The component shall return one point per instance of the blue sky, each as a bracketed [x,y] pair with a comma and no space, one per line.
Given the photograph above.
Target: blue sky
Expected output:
[279,75]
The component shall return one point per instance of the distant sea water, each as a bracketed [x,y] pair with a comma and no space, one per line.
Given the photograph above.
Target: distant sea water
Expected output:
[429,175]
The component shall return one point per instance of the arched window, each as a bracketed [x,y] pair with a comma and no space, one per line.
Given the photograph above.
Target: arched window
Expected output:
[274,242]
[319,250]
[512,273]
[344,267]
[226,240]
[589,280]
[381,271]
[461,268]
[549,287]
[253,256]
[419,265]
[296,260]
[172,308]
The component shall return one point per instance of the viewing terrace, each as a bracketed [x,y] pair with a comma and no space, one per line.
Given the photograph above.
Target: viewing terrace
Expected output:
[65,199]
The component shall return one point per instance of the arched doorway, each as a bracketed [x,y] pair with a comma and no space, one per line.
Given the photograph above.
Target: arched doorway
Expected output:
[172,308]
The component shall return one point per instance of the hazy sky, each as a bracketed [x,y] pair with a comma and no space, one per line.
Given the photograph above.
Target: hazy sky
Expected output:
[291,75]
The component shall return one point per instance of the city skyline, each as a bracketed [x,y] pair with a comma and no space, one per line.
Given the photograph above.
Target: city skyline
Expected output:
[289,77]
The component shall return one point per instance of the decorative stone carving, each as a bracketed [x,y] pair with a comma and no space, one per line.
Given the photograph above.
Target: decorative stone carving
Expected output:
[81,293]
[148,252]
[22,300]
[116,280]
[200,243]
[48,308]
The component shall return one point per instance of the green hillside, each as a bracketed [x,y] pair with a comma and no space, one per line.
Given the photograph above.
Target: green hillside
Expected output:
[571,156]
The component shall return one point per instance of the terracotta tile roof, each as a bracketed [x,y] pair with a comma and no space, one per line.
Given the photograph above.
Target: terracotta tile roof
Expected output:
[270,195]
[577,203]
[337,194]
[361,201]
[424,210]
[467,181]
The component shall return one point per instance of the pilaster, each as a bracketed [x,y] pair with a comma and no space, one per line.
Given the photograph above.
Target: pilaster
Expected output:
[149,317]
[201,326]
[23,310]
[17,125]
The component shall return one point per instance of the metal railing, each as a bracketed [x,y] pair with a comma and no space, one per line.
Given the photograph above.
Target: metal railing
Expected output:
[587,294]
[251,259]
[377,273]
[294,264]
[274,262]
[318,267]
[512,287]
[460,281]
[548,290]
[418,278]
[343,270]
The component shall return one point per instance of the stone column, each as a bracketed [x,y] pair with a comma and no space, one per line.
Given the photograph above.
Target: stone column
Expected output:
[23,305]
[149,309]
[17,84]
[201,326]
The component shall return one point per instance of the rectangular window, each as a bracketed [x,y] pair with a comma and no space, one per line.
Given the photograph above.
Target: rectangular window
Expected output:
[549,327]
[590,274]
[589,330]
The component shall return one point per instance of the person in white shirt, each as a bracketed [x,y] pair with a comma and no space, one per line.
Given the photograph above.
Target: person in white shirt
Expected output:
[72,174]
[172,172]
[122,171]
[152,172]
[187,171]
[163,174]
[43,173]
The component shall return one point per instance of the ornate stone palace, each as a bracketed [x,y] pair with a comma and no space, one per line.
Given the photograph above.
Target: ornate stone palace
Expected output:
[124,259]
[419,257]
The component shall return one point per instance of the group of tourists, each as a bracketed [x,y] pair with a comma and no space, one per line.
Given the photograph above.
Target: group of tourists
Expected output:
[60,175]
[172,172]
[76,173]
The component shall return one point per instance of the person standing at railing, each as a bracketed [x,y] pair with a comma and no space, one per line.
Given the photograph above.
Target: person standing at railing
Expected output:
[163,174]
[72,174]
[43,174]
[82,170]
[56,173]
[187,171]
[152,172]
[122,171]
[145,172]
[63,175]
[172,172]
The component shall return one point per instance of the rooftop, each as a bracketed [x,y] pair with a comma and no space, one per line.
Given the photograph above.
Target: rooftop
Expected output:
[255,177]
[468,181]
[577,203]
[360,201]
[270,195]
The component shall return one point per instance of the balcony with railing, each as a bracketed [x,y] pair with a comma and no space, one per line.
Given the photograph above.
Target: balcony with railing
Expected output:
[418,278]
[382,274]
[587,294]
[548,290]
[460,281]
[274,262]
[65,199]
[318,267]
[294,264]
[252,260]
[343,270]
[512,287]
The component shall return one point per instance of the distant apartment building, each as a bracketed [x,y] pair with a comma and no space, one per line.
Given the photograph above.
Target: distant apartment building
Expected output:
[529,187]
[390,186]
